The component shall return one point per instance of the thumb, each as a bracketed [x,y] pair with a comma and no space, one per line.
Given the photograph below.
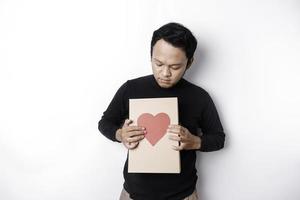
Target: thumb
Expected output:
[127,122]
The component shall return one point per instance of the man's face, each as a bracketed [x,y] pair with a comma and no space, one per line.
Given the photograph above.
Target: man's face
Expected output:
[169,63]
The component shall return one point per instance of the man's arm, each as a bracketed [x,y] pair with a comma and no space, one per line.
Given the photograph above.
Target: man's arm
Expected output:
[213,137]
[112,119]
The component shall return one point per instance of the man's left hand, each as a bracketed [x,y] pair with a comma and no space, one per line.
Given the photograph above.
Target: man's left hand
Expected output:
[187,140]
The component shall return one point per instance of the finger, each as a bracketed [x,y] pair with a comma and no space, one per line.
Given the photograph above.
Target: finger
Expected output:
[135,133]
[127,122]
[133,145]
[177,148]
[135,128]
[173,131]
[184,140]
[128,145]
[183,131]
[136,138]
[176,126]
[174,137]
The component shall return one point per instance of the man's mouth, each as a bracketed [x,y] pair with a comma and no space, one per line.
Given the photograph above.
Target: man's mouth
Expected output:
[165,81]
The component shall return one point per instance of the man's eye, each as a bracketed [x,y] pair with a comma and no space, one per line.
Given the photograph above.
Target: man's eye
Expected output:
[159,65]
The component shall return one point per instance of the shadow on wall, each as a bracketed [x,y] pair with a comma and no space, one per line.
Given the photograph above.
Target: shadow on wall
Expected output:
[201,58]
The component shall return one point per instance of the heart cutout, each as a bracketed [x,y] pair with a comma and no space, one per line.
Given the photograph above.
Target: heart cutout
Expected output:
[156,126]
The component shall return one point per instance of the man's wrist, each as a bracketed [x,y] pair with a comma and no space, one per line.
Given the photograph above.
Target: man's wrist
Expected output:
[118,135]
[197,142]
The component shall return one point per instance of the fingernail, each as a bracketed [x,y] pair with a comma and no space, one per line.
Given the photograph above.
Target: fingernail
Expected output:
[145,132]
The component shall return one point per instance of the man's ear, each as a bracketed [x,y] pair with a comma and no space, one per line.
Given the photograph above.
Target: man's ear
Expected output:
[189,63]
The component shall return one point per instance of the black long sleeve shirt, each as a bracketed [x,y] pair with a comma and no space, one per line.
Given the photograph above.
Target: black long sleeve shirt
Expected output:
[196,110]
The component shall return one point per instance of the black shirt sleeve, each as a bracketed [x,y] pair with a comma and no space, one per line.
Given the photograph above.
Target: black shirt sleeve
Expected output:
[213,136]
[114,116]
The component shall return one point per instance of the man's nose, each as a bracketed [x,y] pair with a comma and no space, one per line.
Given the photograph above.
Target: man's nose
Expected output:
[166,71]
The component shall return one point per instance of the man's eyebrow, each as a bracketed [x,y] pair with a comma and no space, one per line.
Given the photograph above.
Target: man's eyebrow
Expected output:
[162,62]
[157,60]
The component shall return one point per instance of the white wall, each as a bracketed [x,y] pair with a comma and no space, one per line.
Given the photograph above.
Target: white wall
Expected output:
[62,61]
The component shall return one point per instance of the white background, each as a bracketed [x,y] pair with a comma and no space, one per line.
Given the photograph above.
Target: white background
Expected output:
[61,62]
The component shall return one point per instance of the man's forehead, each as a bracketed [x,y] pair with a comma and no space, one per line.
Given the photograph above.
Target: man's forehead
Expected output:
[162,51]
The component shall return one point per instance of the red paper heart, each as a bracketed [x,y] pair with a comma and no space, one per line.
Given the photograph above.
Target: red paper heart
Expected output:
[156,126]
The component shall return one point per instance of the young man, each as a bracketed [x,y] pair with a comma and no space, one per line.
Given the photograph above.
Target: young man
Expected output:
[172,50]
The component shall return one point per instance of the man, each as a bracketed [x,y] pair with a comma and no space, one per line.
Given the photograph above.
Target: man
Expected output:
[172,51]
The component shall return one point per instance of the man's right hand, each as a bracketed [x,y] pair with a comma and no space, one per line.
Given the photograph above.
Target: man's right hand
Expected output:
[130,135]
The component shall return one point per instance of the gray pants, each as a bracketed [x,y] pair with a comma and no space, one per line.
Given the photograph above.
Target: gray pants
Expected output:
[125,196]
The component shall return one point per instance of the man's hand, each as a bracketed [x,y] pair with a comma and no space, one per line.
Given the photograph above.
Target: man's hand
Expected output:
[187,140]
[130,135]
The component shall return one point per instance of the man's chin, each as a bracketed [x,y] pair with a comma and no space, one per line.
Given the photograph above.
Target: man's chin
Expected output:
[165,85]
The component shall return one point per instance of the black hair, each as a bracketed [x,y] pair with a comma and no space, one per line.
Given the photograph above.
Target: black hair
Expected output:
[178,36]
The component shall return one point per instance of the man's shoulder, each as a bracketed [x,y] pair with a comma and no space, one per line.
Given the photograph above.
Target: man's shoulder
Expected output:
[195,88]
[141,78]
